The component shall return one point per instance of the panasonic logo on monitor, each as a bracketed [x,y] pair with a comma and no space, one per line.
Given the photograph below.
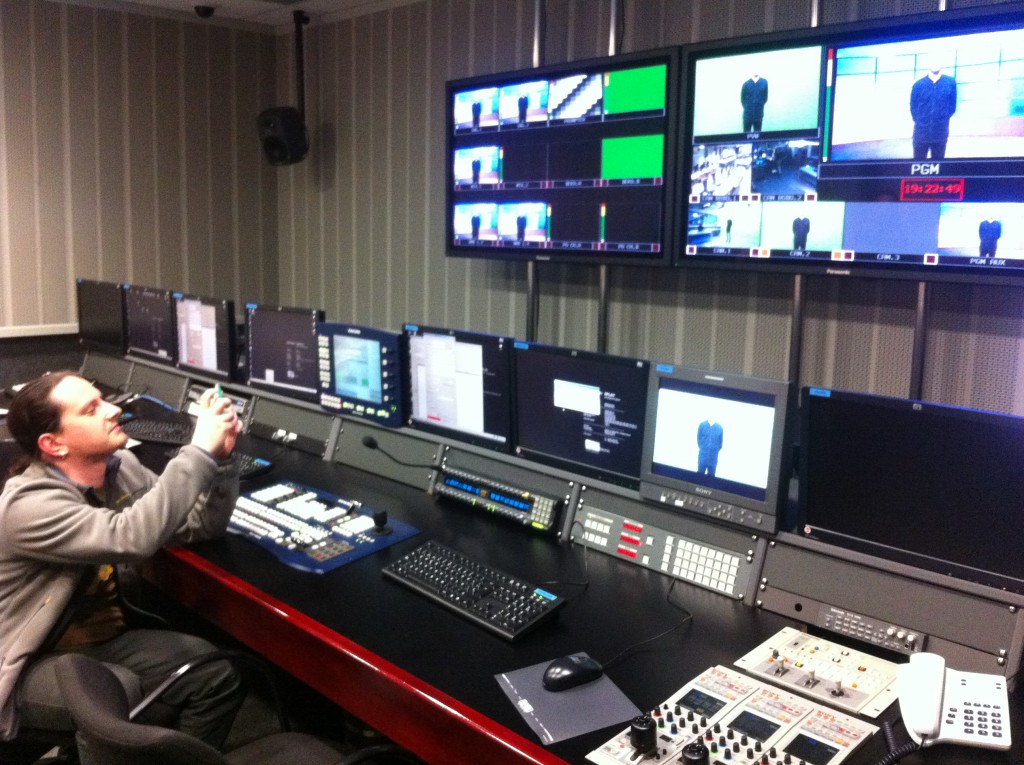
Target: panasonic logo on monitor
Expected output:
[837,271]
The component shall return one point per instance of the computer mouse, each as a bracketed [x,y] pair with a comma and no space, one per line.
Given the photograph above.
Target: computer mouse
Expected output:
[571,671]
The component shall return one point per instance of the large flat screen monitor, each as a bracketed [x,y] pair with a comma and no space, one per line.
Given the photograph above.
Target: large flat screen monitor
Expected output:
[206,335]
[892,149]
[571,162]
[361,372]
[151,324]
[101,316]
[581,411]
[459,384]
[932,486]
[718,446]
[282,352]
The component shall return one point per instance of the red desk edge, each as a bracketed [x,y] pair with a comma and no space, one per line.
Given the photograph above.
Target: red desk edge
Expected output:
[410,712]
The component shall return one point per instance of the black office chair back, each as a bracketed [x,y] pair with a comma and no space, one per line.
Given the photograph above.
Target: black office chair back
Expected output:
[99,707]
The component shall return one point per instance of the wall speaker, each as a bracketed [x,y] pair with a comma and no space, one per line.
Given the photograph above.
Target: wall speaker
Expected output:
[283,135]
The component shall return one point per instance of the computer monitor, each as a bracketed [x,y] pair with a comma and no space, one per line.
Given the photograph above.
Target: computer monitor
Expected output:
[206,335]
[573,162]
[717,446]
[361,372]
[580,411]
[459,384]
[888,149]
[932,486]
[282,349]
[101,316]
[151,323]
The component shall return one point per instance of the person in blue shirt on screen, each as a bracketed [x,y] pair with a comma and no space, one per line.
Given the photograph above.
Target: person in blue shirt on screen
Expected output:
[932,104]
[709,444]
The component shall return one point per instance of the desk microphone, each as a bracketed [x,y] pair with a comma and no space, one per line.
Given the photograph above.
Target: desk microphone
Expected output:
[371,443]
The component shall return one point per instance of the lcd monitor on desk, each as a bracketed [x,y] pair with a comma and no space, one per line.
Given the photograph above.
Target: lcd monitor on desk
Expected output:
[360,372]
[581,411]
[151,323]
[101,316]
[459,384]
[282,353]
[206,335]
[932,486]
[717,445]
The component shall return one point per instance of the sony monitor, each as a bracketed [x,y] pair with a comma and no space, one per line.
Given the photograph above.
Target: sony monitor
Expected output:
[459,384]
[885,149]
[929,485]
[717,446]
[206,335]
[101,316]
[151,324]
[581,411]
[571,162]
[361,372]
[282,349]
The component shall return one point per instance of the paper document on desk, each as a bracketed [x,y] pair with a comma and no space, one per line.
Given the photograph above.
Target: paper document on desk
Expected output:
[556,716]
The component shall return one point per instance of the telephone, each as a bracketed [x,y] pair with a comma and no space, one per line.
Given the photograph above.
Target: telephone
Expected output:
[941,705]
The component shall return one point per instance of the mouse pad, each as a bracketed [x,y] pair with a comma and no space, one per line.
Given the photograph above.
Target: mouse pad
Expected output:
[558,716]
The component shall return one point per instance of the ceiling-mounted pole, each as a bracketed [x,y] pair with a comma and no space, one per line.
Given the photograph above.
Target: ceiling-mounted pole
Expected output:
[301,19]
[602,273]
[532,280]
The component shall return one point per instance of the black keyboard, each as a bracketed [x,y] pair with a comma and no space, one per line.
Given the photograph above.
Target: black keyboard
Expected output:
[249,466]
[494,600]
[169,431]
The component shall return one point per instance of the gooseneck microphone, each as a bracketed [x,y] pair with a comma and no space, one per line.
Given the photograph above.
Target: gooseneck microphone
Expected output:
[371,443]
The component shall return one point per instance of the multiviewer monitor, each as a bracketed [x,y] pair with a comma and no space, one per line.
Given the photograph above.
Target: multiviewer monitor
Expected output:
[581,411]
[206,335]
[717,445]
[459,384]
[150,320]
[890,149]
[571,162]
[101,316]
[933,486]
[282,352]
[361,372]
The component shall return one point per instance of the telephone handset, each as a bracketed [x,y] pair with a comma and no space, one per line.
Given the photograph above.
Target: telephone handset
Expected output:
[941,705]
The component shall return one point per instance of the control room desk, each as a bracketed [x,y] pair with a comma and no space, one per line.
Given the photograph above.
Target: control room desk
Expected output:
[425,677]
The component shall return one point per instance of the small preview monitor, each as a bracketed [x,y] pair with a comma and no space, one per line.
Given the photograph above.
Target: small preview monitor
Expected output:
[282,352]
[580,411]
[890,149]
[151,323]
[101,316]
[360,372]
[206,335]
[573,162]
[459,384]
[928,485]
[717,445]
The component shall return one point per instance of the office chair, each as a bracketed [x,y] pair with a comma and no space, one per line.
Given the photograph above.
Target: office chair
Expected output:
[108,736]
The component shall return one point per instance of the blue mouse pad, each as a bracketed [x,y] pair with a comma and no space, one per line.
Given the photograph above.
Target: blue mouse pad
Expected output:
[557,716]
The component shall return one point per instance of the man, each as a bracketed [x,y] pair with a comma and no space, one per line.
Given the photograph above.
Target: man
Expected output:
[989,231]
[753,97]
[932,104]
[709,444]
[80,505]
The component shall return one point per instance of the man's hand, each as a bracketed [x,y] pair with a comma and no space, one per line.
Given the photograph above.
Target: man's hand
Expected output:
[217,425]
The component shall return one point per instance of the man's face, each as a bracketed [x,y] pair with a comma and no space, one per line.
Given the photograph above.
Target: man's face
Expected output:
[89,425]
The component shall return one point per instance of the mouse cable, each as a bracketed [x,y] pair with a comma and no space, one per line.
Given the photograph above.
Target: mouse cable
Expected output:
[686,620]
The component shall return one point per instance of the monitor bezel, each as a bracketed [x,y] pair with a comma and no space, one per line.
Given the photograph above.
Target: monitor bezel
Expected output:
[460,335]
[630,481]
[137,353]
[929,24]
[396,417]
[873,547]
[669,56]
[770,510]
[92,344]
[316,315]
[232,361]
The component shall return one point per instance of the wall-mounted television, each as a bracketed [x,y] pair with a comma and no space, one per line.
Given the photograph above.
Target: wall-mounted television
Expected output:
[892,149]
[565,163]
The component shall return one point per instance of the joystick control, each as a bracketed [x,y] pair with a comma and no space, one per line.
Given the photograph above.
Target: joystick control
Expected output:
[380,523]
[695,754]
[642,735]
